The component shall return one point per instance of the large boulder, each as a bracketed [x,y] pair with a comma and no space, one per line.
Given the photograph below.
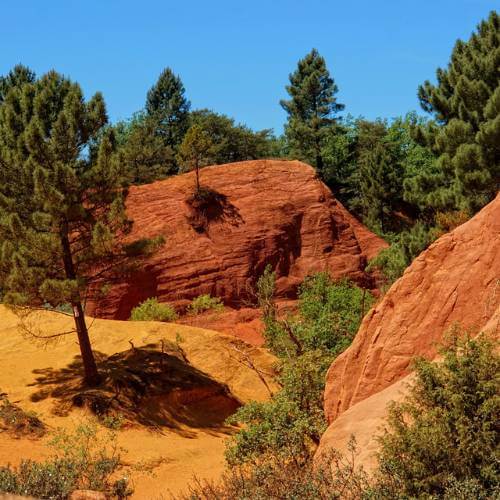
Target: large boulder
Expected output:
[258,212]
[456,280]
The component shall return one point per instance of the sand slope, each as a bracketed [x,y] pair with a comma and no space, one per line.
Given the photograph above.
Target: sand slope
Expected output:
[174,455]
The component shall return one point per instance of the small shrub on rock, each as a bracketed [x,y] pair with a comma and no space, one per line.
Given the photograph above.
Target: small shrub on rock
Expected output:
[152,310]
[205,303]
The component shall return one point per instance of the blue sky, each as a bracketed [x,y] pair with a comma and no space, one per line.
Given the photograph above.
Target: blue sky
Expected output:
[235,57]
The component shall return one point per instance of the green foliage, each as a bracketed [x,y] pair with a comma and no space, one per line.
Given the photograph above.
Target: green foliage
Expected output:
[195,151]
[465,103]
[144,156]
[290,425]
[16,78]
[444,438]
[329,315]
[394,260]
[232,142]
[80,460]
[205,303]
[152,310]
[311,109]
[168,108]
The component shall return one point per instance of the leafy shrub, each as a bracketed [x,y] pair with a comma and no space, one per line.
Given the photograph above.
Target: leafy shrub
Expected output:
[291,424]
[205,303]
[443,440]
[80,460]
[329,316]
[152,310]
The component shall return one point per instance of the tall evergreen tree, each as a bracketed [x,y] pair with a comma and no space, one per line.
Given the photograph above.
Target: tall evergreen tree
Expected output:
[166,104]
[465,103]
[17,76]
[312,108]
[59,210]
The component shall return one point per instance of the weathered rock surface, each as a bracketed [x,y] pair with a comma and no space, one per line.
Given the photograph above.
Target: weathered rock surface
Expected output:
[266,212]
[456,280]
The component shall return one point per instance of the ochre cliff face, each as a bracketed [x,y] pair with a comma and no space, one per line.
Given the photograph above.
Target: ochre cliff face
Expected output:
[267,212]
[456,280]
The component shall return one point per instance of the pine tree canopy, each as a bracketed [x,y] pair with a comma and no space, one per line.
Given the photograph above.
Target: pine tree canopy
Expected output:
[312,108]
[465,103]
[167,104]
[16,77]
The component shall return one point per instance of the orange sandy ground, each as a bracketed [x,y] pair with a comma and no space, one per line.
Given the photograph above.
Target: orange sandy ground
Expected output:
[168,459]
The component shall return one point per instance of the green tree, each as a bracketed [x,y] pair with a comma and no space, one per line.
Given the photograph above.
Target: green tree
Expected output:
[195,152]
[465,136]
[312,108]
[167,105]
[232,142]
[59,211]
[143,153]
[16,77]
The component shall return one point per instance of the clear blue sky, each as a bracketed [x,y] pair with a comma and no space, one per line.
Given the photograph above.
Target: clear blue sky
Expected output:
[235,57]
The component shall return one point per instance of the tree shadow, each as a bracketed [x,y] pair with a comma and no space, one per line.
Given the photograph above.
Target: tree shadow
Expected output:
[148,386]
[208,206]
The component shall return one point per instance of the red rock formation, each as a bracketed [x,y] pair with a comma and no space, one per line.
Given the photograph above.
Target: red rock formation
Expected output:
[457,279]
[265,212]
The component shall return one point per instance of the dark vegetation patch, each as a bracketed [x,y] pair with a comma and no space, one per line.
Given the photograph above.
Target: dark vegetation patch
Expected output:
[18,422]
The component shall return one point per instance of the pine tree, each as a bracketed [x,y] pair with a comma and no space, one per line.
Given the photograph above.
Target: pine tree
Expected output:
[195,152]
[16,77]
[167,105]
[60,210]
[311,109]
[465,103]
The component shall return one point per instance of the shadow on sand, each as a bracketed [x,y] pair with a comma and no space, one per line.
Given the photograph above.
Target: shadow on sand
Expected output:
[157,389]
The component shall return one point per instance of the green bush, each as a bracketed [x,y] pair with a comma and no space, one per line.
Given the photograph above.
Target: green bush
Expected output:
[329,316]
[444,438]
[205,303]
[80,461]
[152,310]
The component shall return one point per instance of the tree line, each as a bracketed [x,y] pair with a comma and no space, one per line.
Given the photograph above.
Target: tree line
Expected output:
[64,168]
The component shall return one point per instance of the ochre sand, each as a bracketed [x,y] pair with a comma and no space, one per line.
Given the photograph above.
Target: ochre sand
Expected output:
[172,456]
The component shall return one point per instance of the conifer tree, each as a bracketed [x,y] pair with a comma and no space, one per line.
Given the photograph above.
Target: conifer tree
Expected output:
[16,77]
[167,105]
[60,210]
[312,108]
[195,152]
[465,103]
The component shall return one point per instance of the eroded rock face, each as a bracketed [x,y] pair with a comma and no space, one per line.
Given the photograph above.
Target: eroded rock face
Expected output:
[263,212]
[456,280]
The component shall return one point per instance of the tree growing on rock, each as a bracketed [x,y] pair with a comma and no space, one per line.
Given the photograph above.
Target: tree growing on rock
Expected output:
[61,208]
[312,108]
[195,152]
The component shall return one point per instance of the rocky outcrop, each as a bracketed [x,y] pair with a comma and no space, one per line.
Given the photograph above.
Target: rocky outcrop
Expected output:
[259,212]
[456,280]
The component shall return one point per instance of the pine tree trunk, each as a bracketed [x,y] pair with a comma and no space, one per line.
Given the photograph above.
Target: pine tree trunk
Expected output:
[197,178]
[91,375]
